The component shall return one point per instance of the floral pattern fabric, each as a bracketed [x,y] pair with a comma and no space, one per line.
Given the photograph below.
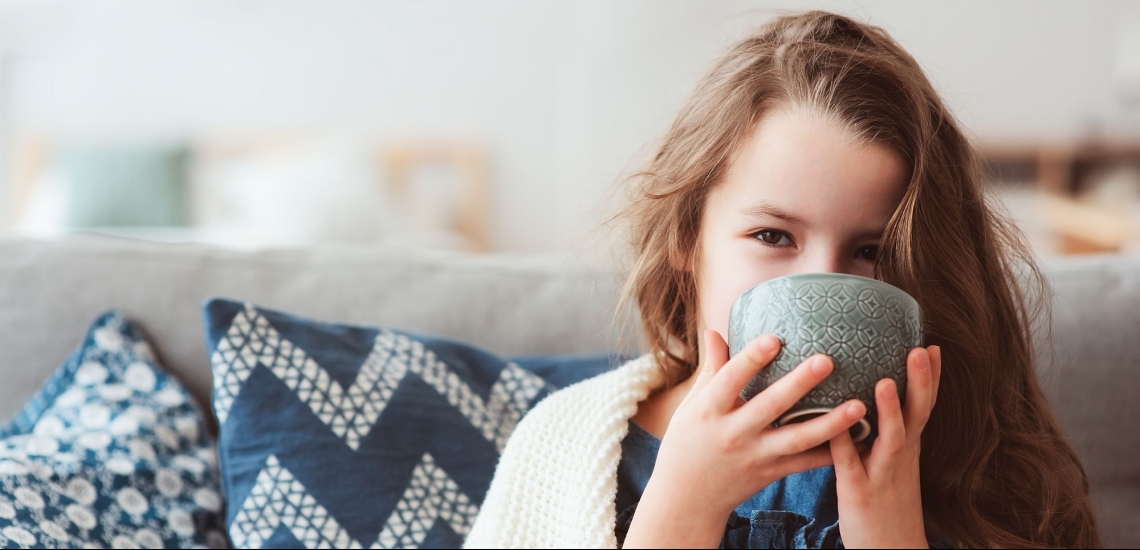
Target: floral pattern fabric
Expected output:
[111,452]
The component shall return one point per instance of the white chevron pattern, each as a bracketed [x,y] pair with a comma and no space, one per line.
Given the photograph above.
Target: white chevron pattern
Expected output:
[278,499]
[251,340]
[431,496]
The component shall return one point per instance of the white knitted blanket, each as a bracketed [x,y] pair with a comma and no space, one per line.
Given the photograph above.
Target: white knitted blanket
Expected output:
[556,481]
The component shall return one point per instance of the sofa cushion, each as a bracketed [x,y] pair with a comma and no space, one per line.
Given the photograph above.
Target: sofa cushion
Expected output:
[111,452]
[337,435]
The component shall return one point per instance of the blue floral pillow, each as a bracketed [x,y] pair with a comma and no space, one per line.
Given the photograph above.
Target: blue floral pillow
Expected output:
[111,452]
[343,436]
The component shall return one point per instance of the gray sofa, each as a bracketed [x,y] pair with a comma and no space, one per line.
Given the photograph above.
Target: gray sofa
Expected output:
[51,291]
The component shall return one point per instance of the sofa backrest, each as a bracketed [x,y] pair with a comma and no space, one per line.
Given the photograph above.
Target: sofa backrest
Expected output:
[511,305]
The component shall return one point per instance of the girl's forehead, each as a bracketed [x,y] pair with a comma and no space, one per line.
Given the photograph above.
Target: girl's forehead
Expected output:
[811,167]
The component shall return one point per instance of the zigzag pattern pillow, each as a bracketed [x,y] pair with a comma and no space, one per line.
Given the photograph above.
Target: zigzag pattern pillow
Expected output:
[340,436]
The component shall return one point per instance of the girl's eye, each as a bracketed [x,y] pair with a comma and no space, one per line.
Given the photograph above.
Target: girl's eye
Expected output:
[868,253]
[772,237]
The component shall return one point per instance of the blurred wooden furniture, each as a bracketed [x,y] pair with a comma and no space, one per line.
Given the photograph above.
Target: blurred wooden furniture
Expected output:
[30,157]
[1060,173]
[396,163]
[1057,168]
[471,194]
[1086,229]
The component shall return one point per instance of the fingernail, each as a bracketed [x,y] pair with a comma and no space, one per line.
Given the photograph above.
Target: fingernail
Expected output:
[855,410]
[924,359]
[937,354]
[820,365]
[768,343]
[888,391]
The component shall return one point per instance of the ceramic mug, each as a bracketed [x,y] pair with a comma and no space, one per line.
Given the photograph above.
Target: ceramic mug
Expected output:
[866,326]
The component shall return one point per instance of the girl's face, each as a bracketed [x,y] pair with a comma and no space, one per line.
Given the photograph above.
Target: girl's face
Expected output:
[802,196]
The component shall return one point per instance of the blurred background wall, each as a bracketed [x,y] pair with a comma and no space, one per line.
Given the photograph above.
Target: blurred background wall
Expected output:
[495,125]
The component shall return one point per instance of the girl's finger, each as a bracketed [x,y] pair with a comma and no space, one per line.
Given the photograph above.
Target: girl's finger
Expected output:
[892,430]
[797,438]
[724,388]
[774,401]
[919,391]
[848,463]
[716,355]
[787,465]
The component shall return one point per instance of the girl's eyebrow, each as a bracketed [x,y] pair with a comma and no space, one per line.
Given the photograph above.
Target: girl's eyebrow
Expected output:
[764,208]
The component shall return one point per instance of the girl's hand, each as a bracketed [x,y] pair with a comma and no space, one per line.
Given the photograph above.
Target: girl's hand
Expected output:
[880,501]
[718,450]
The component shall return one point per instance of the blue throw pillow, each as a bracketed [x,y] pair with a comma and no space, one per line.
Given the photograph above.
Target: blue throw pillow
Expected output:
[111,452]
[334,435]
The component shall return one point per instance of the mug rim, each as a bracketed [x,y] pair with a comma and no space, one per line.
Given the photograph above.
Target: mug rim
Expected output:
[827,275]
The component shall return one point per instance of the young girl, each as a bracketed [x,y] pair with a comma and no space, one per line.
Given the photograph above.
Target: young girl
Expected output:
[815,145]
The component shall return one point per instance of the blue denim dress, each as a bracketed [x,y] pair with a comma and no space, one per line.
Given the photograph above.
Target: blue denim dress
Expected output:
[799,511]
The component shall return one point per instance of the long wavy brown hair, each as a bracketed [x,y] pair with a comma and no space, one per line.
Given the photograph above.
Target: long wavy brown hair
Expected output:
[996,471]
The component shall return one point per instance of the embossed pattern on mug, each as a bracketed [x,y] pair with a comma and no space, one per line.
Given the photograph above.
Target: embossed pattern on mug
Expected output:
[866,326]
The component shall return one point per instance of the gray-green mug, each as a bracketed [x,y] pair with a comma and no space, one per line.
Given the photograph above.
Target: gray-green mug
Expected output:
[866,326]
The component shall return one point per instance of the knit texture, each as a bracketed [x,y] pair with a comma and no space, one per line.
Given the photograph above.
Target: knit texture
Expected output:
[556,481]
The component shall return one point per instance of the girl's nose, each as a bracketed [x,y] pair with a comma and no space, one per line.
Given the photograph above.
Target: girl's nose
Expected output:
[825,262]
